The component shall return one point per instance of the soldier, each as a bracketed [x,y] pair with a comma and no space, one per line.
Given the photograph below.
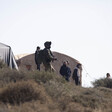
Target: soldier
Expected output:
[48,57]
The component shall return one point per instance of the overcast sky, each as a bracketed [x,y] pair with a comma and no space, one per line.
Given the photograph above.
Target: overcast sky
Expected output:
[81,29]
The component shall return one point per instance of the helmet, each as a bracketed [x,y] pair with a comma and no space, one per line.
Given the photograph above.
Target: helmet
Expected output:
[47,44]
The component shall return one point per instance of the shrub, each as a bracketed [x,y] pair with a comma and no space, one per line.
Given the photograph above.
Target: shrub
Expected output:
[103,82]
[44,77]
[19,92]
[7,75]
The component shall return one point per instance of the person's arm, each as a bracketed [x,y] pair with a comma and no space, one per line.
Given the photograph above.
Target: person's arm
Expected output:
[36,57]
[69,72]
[62,71]
[50,56]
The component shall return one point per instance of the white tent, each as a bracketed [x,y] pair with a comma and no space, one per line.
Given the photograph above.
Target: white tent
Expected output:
[7,56]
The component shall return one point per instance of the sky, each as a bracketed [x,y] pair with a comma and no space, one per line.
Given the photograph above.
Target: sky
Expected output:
[81,29]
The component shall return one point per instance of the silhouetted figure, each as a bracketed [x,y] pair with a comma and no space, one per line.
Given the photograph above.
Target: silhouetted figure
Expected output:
[36,56]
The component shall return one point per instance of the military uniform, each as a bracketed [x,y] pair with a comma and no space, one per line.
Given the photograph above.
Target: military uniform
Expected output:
[48,57]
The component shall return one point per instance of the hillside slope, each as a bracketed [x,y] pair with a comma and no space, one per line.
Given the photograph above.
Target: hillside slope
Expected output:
[33,91]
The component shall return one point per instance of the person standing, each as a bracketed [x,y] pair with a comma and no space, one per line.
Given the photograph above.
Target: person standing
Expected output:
[108,75]
[65,71]
[36,57]
[77,74]
[48,57]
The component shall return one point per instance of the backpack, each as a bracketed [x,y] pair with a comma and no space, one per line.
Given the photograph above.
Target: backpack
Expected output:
[39,57]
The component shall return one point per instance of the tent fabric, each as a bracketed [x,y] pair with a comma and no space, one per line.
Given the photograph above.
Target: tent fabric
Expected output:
[7,56]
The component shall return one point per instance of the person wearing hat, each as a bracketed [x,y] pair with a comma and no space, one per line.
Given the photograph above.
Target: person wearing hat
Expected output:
[48,57]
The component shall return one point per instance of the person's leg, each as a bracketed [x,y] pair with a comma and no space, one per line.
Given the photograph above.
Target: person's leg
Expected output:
[67,79]
[79,82]
[38,67]
[76,81]
[47,67]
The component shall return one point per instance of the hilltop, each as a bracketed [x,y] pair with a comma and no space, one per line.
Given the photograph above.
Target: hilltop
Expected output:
[28,61]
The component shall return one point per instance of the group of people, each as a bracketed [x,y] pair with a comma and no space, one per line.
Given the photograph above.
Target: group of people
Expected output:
[65,71]
[45,56]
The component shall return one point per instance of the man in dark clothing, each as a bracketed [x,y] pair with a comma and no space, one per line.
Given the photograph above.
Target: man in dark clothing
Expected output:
[65,71]
[36,56]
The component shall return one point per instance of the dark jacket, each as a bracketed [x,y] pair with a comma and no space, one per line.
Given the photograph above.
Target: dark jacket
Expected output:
[36,56]
[75,74]
[65,72]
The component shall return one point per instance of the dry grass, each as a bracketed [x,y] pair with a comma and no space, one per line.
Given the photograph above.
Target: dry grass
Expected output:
[47,92]
[22,91]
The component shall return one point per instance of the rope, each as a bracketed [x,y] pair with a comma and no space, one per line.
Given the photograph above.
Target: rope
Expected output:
[87,74]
